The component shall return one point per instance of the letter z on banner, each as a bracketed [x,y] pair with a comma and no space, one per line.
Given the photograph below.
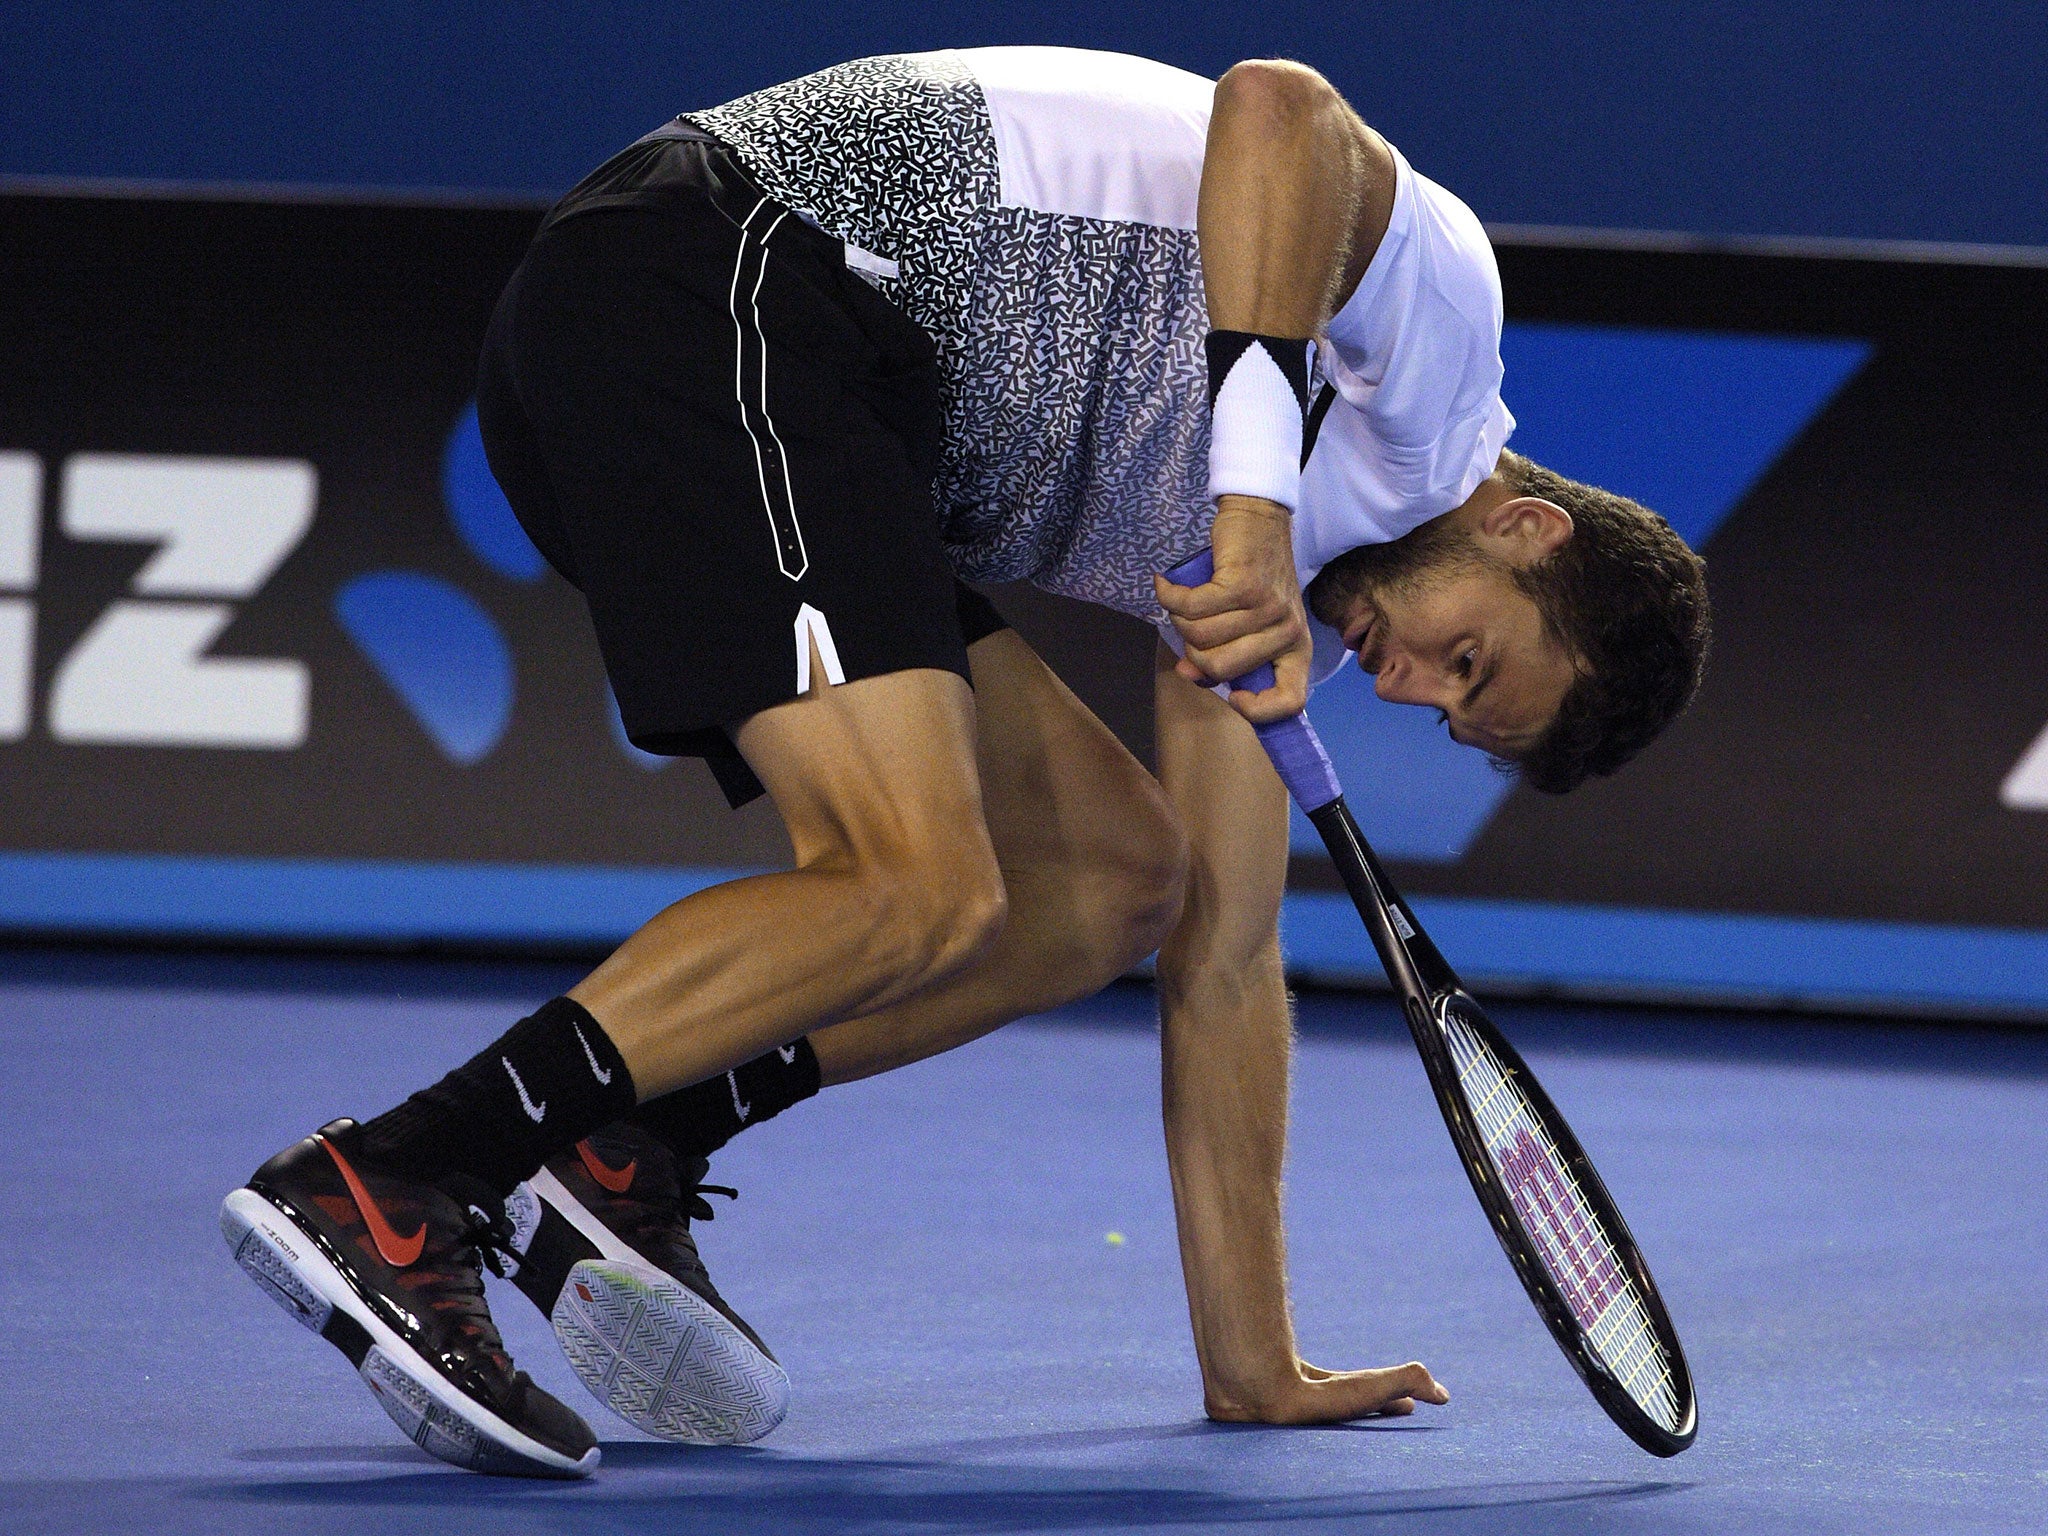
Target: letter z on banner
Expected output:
[141,675]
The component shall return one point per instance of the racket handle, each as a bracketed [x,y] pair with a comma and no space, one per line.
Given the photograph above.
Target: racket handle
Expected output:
[1298,756]
[1297,753]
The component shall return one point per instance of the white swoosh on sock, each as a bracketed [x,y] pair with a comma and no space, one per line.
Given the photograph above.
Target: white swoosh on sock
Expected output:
[738,1103]
[604,1077]
[534,1112]
[787,1053]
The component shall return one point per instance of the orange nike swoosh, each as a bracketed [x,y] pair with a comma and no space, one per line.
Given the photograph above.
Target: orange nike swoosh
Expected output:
[617,1180]
[398,1251]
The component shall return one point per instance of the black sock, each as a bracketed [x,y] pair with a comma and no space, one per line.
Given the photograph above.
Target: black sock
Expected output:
[541,1087]
[698,1120]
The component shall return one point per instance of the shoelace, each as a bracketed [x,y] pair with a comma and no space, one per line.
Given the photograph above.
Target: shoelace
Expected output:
[699,1207]
[451,1275]
[490,1238]
[666,1218]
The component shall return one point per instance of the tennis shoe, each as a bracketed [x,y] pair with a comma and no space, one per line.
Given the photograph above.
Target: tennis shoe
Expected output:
[603,1246]
[390,1272]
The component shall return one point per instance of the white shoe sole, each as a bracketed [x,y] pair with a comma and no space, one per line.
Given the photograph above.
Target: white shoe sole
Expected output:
[652,1350]
[663,1358]
[275,1252]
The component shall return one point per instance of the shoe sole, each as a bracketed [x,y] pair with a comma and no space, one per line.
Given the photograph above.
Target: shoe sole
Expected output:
[663,1358]
[284,1260]
[651,1349]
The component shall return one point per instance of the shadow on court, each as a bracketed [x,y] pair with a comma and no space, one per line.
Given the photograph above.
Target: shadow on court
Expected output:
[768,1493]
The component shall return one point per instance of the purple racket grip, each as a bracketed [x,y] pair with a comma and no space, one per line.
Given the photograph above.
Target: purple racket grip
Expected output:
[1298,756]
[1297,753]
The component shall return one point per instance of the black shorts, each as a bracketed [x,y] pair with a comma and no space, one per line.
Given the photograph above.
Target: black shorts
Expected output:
[726,439]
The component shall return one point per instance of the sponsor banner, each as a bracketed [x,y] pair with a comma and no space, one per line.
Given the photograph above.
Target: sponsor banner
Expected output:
[276,662]
[264,598]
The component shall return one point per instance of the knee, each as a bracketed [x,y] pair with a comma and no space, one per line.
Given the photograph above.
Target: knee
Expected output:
[943,910]
[965,907]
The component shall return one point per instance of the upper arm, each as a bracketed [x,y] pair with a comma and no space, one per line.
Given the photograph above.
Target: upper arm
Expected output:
[1305,128]
[1233,809]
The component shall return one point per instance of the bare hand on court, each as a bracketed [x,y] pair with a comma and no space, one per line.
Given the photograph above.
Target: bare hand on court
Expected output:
[1249,613]
[1317,1396]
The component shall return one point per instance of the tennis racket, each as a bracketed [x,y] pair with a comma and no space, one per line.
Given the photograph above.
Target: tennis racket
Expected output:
[1546,1203]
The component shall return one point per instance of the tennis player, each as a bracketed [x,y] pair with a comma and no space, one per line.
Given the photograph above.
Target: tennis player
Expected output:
[769,387]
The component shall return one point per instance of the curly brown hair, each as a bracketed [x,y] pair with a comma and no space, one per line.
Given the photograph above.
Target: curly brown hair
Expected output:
[1628,600]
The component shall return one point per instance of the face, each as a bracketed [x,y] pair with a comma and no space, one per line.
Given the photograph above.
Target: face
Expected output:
[1442,624]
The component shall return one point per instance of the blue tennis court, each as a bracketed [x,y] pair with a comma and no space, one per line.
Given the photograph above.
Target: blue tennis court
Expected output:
[1845,1219]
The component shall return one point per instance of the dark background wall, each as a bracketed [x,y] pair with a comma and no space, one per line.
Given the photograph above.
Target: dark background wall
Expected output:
[1802,117]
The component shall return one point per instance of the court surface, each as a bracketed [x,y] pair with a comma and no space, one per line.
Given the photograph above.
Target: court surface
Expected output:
[1846,1220]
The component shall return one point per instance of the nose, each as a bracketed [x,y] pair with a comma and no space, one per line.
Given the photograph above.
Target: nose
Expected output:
[1399,683]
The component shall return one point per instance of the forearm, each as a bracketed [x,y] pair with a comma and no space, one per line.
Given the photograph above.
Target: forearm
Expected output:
[1225,1046]
[1225,1043]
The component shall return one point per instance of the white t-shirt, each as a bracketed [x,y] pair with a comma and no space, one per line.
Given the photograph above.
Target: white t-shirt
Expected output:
[1414,355]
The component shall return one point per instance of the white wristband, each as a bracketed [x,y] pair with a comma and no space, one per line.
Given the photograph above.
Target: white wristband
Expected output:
[1255,423]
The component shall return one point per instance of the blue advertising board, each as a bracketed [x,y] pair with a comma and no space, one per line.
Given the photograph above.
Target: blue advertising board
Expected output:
[276,664]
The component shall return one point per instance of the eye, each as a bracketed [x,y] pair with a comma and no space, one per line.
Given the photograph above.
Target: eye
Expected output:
[1467,663]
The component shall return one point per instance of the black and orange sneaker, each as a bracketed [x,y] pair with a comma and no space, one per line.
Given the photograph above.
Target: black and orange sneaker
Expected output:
[603,1243]
[390,1272]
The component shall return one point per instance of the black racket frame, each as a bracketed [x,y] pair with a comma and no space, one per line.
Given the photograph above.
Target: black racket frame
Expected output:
[1426,983]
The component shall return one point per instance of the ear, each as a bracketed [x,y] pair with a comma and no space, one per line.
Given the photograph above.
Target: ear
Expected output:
[1526,529]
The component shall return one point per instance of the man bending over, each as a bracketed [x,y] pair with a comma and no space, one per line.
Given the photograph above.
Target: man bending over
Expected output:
[768,387]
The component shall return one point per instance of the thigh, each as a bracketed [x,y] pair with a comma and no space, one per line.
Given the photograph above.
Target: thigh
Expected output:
[881,770]
[1058,788]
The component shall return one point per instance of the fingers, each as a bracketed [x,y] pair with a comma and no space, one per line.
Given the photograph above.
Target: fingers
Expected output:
[1219,595]
[1228,663]
[1364,1394]
[1238,624]
[1231,660]
[1249,613]
[1241,640]
[1415,1380]
[1420,1384]
[1232,602]
[1334,1397]
[1287,697]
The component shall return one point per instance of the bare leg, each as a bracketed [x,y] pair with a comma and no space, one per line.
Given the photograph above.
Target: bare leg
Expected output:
[895,887]
[1091,860]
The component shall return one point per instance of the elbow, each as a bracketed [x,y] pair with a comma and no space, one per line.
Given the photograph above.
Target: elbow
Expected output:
[1279,96]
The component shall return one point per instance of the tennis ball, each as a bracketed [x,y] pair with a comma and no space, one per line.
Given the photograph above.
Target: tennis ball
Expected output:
[1114,1239]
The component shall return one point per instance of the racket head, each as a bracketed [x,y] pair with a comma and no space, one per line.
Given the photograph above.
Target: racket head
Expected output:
[1560,1228]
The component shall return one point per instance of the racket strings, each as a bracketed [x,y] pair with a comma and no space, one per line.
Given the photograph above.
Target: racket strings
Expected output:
[1569,1237]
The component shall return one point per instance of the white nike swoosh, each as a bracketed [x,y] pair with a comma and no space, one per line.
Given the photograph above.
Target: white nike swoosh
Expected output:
[604,1077]
[787,1053]
[534,1112]
[740,1105]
